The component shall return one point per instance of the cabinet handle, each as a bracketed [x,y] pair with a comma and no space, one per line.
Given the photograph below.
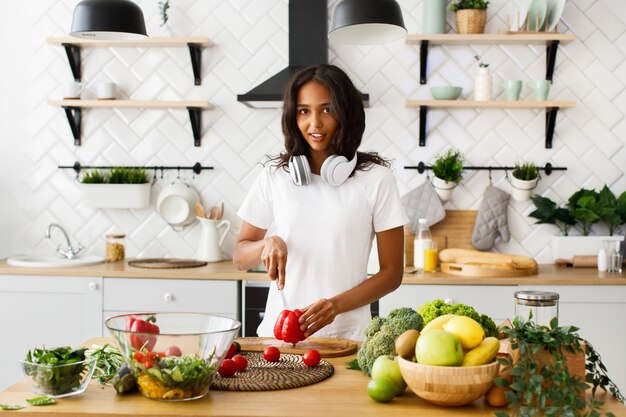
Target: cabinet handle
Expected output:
[93,286]
[168,297]
[448,301]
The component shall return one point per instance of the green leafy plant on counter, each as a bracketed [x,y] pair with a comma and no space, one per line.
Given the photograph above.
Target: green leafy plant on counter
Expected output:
[526,171]
[469,4]
[550,389]
[449,166]
[117,175]
[584,209]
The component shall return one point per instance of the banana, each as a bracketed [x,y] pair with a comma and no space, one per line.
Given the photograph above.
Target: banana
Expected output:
[438,322]
[484,353]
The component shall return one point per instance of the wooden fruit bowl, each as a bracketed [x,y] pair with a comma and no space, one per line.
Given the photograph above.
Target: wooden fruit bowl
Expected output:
[448,385]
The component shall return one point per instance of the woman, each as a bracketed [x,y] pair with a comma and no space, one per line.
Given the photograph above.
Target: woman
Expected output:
[327,201]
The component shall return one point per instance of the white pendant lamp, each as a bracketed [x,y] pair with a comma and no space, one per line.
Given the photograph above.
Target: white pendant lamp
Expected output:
[108,20]
[367,22]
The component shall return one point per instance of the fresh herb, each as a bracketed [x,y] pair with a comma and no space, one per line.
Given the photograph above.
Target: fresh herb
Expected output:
[548,389]
[164,7]
[7,407]
[584,204]
[526,171]
[469,4]
[353,365]
[547,212]
[449,167]
[94,177]
[481,64]
[118,175]
[56,371]
[108,362]
[37,401]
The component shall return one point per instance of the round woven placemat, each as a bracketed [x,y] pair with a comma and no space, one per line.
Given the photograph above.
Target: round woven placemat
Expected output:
[260,375]
[165,263]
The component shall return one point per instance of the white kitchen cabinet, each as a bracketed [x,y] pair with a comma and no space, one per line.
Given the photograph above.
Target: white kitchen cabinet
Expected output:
[495,301]
[599,312]
[49,311]
[125,295]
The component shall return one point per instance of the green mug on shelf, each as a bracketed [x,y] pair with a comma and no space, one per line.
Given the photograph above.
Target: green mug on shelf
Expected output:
[512,89]
[541,88]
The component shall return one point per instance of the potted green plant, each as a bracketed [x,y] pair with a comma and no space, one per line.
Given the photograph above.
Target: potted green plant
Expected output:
[448,171]
[119,188]
[523,180]
[470,15]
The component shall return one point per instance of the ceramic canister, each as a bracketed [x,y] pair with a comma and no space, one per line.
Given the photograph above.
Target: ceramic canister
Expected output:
[434,16]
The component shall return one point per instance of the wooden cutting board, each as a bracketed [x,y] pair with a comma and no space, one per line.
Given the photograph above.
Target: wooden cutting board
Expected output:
[327,347]
[483,271]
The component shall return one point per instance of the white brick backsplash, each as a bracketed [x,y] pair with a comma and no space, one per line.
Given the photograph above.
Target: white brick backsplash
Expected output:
[251,44]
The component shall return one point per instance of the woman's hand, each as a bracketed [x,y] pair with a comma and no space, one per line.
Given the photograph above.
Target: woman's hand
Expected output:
[274,257]
[318,315]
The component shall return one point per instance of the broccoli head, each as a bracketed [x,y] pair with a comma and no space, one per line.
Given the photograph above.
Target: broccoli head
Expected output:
[402,319]
[374,326]
[433,309]
[382,343]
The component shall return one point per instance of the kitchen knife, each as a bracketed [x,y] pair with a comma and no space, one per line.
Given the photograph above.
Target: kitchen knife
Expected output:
[282,297]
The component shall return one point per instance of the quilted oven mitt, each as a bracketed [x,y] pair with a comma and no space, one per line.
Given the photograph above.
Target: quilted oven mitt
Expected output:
[491,219]
[422,202]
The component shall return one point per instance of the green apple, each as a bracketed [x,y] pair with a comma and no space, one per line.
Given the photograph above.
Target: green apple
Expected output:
[438,347]
[381,389]
[387,366]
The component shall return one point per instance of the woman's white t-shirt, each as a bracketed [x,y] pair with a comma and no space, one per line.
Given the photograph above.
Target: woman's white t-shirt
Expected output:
[329,232]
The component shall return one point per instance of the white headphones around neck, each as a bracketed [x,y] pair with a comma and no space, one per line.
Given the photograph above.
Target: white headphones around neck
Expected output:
[335,170]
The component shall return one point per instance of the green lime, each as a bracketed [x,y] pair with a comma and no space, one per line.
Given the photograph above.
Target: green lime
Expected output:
[381,389]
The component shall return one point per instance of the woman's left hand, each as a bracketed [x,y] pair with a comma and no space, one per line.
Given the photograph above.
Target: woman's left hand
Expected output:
[318,315]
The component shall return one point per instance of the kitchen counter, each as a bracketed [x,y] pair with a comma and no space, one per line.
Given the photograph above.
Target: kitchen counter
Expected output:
[343,394]
[225,270]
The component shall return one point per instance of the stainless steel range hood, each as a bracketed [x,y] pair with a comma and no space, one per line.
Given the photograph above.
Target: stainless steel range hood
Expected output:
[308,45]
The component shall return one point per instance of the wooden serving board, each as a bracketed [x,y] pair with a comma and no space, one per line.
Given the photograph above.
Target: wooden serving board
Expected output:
[484,271]
[327,347]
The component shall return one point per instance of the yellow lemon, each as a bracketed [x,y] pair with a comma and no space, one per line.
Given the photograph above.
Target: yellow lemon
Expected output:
[468,330]
[437,323]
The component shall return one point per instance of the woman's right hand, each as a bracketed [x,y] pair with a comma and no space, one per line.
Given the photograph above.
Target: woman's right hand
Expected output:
[274,257]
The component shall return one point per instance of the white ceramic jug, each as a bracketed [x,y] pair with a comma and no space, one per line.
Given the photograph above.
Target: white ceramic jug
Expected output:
[210,248]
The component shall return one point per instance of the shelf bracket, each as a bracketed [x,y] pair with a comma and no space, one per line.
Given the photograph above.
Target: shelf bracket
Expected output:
[73,56]
[550,122]
[74,118]
[423,114]
[195,117]
[551,50]
[423,61]
[195,52]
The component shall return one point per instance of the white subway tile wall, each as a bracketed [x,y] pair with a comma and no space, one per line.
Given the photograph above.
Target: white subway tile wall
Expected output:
[251,42]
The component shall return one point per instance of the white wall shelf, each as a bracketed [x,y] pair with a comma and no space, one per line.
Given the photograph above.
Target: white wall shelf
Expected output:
[552,107]
[73,111]
[73,47]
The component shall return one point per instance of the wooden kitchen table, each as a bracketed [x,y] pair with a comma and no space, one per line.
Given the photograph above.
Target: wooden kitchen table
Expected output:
[344,394]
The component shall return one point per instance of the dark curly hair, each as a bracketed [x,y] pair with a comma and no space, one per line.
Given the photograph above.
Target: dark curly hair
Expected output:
[345,103]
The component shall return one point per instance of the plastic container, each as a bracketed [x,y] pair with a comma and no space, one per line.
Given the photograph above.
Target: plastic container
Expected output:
[539,307]
[422,238]
[603,260]
[115,250]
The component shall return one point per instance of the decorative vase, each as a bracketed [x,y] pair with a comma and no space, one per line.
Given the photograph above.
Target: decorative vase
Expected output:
[482,84]
[434,17]
[470,21]
[522,188]
[443,188]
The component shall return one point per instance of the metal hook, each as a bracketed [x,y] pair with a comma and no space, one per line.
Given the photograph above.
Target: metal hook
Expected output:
[162,172]
[178,175]
[490,183]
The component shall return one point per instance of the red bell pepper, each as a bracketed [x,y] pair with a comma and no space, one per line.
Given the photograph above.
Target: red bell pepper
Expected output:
[139,341]
[287,327]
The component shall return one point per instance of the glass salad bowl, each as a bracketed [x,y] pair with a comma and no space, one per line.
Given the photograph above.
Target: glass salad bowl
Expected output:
[173,356]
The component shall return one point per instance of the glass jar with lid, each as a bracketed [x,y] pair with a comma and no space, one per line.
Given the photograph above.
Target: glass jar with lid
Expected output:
[543,305]
[114,247]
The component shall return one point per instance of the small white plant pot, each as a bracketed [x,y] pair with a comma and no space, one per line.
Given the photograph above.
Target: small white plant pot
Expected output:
[118,196]
[443,188]
[522,189]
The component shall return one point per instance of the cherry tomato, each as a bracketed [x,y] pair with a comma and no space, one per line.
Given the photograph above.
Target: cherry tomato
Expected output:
[311,358]
[231,351]
[271,354]
[228,368]
[139,357]
[241,362]
[173,351]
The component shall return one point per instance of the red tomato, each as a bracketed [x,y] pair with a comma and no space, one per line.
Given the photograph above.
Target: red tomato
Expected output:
[311,358]
[271,354]
[173,351]
[228,368]
[139,357]
[241,362]
[231,351]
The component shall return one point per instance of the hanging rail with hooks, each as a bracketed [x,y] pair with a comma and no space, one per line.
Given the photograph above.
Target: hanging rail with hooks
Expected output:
[548,168]
[197,168]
